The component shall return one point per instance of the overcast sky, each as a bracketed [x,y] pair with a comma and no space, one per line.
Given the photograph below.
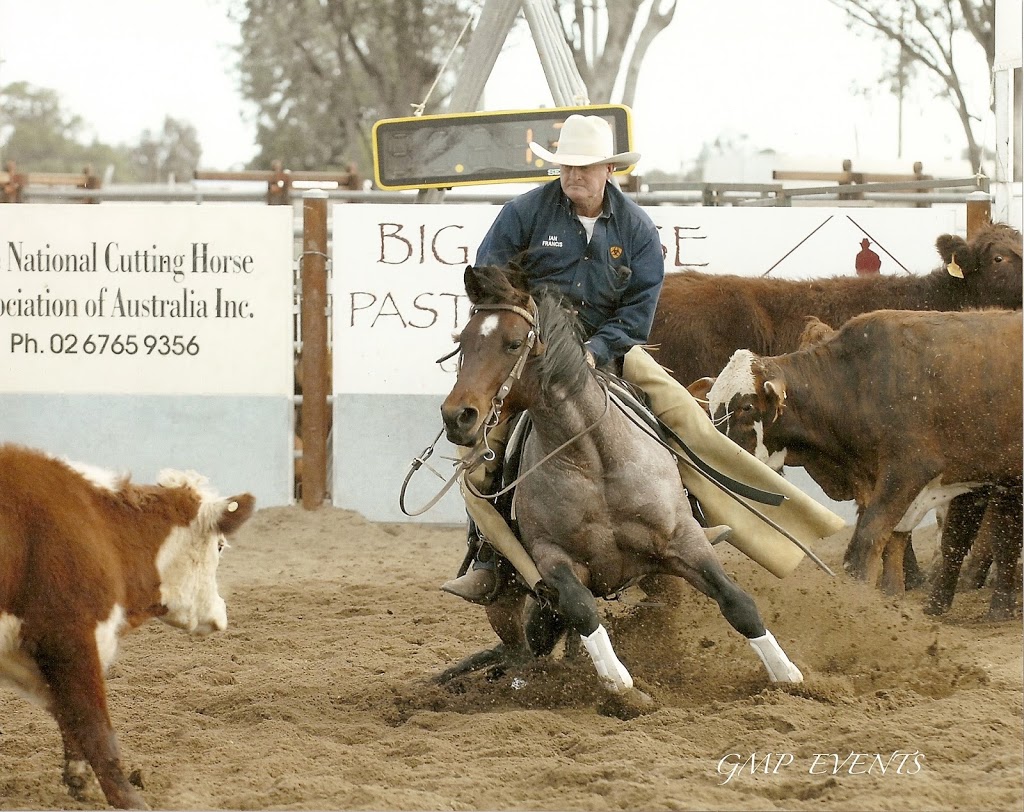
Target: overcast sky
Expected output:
[786,75]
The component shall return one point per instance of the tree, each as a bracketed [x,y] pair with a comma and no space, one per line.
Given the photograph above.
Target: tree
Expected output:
[322,71]
[40,134]
[600,38]
[931,34]
[175,151]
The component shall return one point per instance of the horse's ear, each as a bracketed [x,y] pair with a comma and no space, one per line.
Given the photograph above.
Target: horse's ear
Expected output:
[474,290]
[517,277]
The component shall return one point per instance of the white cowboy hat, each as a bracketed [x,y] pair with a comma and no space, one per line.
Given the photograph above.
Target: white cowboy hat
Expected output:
[585,141]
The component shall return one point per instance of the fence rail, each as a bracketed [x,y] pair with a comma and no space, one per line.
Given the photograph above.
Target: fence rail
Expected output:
[911,193]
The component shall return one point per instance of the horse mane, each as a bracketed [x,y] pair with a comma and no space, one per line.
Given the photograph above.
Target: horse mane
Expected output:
[563,362]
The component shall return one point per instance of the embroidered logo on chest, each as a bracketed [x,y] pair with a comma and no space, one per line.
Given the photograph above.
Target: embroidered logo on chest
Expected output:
[552,241]
[615,251]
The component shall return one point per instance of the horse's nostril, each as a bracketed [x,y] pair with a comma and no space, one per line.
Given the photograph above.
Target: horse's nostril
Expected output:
[467,418]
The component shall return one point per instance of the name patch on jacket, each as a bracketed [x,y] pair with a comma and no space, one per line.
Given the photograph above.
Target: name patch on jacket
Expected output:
[553,241]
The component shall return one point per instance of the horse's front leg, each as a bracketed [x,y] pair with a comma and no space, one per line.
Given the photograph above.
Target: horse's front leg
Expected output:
[506,616]
[578,609]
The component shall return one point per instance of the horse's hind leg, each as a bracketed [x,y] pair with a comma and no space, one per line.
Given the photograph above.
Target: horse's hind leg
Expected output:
[695,561]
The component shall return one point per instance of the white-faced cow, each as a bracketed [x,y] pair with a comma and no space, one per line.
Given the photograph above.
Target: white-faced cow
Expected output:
[85,556]
[703,318]
[898,410]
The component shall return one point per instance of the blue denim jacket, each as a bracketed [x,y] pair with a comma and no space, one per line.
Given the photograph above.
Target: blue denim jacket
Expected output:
[614,282]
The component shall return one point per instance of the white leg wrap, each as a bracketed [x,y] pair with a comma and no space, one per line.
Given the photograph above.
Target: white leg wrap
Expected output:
[779,667]
[612,673]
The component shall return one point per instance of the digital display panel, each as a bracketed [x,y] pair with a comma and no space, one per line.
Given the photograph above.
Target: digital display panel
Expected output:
[466,149]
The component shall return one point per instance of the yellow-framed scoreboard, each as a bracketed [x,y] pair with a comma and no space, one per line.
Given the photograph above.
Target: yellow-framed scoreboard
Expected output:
[468,149]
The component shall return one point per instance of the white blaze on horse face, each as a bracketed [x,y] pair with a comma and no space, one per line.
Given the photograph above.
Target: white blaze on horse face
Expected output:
[488,325]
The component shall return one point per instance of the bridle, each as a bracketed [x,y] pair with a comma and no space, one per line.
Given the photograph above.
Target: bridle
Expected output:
[499,398]
[525,351]
[482,452]
[478,456]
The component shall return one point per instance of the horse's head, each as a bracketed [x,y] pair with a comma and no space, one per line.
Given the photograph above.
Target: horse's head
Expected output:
[495,345]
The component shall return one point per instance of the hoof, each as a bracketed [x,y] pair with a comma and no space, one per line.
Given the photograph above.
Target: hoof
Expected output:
[487,658]
[627,705]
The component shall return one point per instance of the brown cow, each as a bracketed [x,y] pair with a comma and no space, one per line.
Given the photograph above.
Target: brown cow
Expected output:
[703,318]
[899,410]
[86,556]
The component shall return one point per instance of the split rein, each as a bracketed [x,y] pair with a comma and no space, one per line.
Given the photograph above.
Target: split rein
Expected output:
[482,452]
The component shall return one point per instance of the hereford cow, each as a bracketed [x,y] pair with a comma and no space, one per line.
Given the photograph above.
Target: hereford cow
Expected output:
[898,410]
[703,318]
[84,557]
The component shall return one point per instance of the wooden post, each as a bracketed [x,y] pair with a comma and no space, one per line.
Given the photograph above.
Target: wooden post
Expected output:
[13,182]
[279,186]
[979,211]
[90,181]
[313,272]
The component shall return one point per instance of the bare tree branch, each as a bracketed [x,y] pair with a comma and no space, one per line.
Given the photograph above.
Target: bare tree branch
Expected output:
[929,40]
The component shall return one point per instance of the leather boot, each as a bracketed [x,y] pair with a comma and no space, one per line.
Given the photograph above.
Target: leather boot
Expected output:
[720,532]
[476,586]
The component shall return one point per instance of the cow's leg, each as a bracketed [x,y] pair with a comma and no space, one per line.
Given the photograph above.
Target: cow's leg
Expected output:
[692,558]
[76,768]
[879,515]
[963,519]
[893,558]
[977,564]
[72,669]
[1006,533]
[913,576]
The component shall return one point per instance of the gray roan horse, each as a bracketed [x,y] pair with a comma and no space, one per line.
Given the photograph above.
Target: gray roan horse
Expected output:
[604,510]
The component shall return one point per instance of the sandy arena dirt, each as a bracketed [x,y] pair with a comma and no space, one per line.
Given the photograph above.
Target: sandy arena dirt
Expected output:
[318,695]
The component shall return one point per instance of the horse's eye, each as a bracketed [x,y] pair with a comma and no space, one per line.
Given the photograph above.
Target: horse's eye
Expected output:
[514,346]
[747,408]
[997,258]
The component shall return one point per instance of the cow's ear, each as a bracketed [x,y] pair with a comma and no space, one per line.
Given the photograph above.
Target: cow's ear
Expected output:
[700,389]
[775,394]
[237,510]
[949,244]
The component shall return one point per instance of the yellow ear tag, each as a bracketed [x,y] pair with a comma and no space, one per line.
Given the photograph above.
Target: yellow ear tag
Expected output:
[954,269]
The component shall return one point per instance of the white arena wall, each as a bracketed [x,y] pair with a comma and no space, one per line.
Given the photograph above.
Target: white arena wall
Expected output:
[139,336]
[397,298]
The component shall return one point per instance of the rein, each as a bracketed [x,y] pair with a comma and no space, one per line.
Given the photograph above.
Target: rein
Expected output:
[483,452]
[607,406]
[513,377]
[471,461]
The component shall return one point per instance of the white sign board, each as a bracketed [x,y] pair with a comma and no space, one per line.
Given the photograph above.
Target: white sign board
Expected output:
[397,285]
[167,299]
